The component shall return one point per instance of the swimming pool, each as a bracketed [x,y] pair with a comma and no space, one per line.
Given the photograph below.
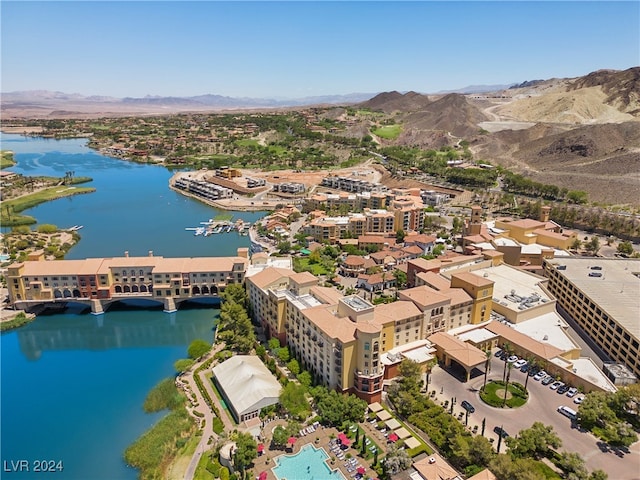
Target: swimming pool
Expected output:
[308,464]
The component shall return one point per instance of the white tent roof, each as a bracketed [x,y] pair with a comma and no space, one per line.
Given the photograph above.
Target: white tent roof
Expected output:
[247,383]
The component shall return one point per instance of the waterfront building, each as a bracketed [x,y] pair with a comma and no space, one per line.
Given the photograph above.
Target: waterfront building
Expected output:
[98,282]
[202,188]
[602,295]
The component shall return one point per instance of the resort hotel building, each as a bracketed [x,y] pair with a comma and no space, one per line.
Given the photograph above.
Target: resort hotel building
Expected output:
[98,282]
[456,313]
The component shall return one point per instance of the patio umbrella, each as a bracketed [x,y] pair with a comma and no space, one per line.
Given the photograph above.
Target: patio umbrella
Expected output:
[361,470]
[344,440]
[260,447]
[393,437]
[262,476]
[292,440]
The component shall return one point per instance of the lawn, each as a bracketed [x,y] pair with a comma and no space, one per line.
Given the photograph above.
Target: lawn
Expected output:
[7,159]
[247,142]
[9,215]
[516,398]
[390,132]
[304,265]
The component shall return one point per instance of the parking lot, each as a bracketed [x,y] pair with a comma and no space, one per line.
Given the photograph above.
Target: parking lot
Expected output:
[542,407]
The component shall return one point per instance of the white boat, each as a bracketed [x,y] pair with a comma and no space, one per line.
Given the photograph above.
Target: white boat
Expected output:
[199,231]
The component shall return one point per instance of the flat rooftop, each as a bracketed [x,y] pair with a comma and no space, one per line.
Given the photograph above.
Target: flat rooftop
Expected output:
[548,328]
[512,286]
[585,368]
[616,291]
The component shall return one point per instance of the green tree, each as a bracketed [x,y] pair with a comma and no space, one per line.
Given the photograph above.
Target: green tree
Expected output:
[400,234]
[395,462]
[235,293]
[305,379]
[183,364]
[293,399]
[535,441]
[625,248]
[283,354]
[47,228]
[573,466]
[576,244]
[401,278]
[246,451]
[280,436]
[294,366]
[198,348]
[593,245]
[273,344]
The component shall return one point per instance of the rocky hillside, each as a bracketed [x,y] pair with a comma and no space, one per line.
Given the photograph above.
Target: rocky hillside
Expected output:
[580,133]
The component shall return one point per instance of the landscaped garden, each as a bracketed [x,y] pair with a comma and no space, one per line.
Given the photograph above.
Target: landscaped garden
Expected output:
[494,394]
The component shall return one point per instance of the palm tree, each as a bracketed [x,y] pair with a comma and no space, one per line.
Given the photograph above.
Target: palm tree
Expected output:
[506,385]
[487,364]
[532,364]
[507,350]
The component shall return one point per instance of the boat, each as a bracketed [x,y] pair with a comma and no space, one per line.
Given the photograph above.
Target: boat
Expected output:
[199,231]
[76,228]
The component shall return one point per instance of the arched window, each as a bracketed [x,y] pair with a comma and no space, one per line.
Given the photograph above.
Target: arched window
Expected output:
[118,289]
[141,273]
[134,288]
[127,289]
[143,288]
[133,273]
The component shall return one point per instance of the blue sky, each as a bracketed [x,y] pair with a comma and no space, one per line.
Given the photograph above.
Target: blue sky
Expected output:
[297,49]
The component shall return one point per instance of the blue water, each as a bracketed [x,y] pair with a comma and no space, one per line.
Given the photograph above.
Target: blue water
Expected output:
[308,464]
[131,210]
[73,384]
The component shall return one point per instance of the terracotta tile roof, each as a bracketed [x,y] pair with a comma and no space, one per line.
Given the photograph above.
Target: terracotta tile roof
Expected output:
[340,328]
[462,352]
[354,261]
[434,280]
[473,279]
[424,297]
[391,312]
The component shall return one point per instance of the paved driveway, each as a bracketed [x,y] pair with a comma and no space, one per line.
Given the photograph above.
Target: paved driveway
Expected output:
[542,407]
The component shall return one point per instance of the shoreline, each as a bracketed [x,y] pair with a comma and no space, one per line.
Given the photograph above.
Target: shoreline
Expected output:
[230,204]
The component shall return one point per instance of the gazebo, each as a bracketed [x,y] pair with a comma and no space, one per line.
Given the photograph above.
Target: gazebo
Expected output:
[383,415]
[392,424]
[402,433]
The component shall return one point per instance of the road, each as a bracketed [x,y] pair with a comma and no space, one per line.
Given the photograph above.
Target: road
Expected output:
[541,407]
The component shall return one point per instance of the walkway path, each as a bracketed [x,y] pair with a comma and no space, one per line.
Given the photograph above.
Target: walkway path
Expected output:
[200,405]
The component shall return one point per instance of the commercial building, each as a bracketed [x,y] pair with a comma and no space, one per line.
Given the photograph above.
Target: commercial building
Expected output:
[602,296]
[98,282]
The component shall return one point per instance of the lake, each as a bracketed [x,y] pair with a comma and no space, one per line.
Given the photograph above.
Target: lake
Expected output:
[73,384]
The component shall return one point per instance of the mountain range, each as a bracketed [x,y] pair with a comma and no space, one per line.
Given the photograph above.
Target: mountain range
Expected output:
[581,133]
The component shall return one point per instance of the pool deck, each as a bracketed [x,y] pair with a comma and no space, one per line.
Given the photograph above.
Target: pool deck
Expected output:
[265,462]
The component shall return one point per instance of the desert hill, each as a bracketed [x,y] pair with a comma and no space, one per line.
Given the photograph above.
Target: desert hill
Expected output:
[390,102]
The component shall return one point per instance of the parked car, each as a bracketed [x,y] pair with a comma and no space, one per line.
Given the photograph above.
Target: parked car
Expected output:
[578,400]
[467,406]
[533,371]
[520,363]
[500,431]
[547,380]
[540,375]
[563,389]
[556,385]
[572,392]
[512,358]
[498,353]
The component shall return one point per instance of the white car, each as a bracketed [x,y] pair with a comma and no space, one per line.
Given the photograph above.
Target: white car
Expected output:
[512,358]
[572,392]
[556,385]
[540,375]
[520,363]
[578,400]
